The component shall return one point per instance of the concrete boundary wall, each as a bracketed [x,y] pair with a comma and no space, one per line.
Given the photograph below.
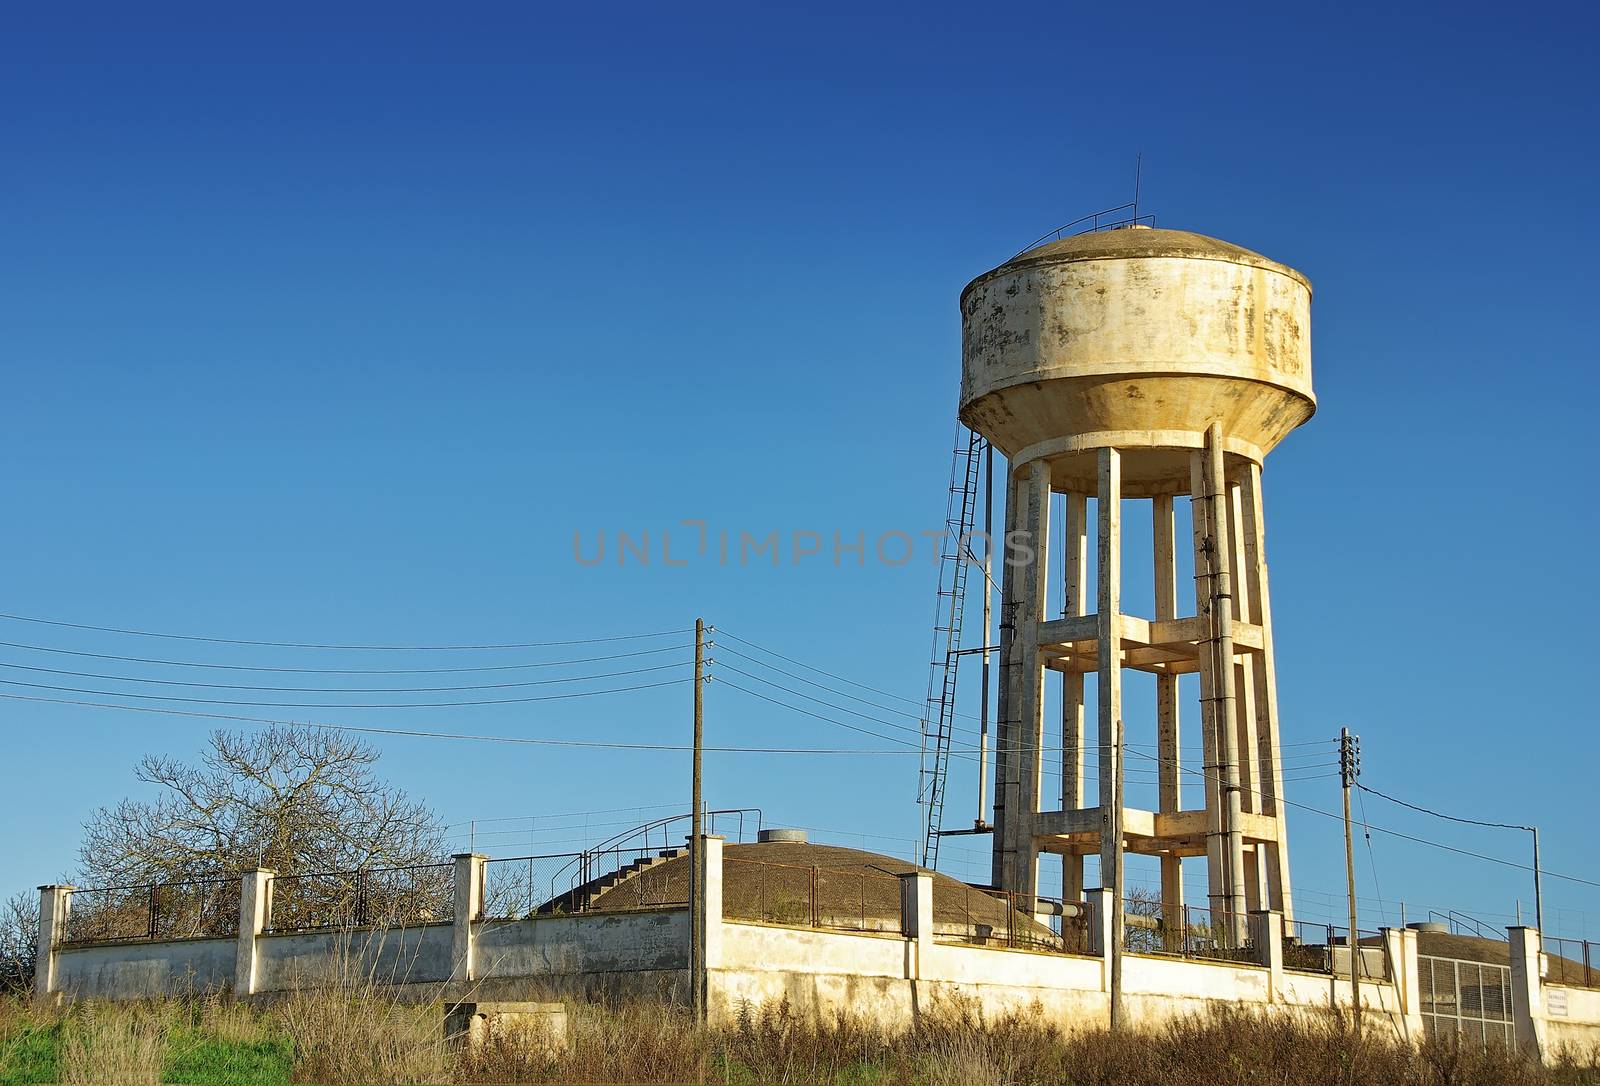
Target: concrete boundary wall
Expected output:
[891,978]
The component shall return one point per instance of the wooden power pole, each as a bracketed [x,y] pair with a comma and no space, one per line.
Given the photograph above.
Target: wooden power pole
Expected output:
[1349,769]
[697,849]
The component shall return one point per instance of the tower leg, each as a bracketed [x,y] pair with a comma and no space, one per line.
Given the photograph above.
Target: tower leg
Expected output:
[1268,754]
[1075,561]
[1108,554]
[1005,757]
[1020,860]
[1169,783]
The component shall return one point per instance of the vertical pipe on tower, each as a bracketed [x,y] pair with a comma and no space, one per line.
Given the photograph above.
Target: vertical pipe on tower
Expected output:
[1108,554]
[1169,787]
[1222,670]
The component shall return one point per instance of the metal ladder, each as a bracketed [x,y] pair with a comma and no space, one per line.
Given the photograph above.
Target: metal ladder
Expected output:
[955,558]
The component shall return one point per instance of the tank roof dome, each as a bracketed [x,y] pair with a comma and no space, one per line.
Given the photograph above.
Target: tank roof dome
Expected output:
[1136,243]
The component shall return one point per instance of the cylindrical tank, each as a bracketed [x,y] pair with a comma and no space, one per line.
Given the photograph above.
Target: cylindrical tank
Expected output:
[1140,339]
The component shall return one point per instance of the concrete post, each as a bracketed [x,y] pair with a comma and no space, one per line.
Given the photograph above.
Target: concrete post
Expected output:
[707,921]
[1400,947]
[255,917]
[916,909]
[1527,990]
[55,903]
[1266,932]
[469,910]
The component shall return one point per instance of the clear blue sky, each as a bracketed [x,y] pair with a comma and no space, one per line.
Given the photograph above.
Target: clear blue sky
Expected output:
[334,323]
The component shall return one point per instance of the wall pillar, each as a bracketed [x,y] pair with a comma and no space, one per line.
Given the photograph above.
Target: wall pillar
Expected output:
[1400,947]
[469,910]
[1527,990]
[705,917]
[1266,932]
[916,917]
[55,903]
[255,917]
[1098,902]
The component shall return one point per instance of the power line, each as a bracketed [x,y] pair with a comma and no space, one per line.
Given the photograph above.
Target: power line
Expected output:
[430,734]
[306,645]
[336,689]
[1441,814]
[358,705]
[819,686]
[819,701]
[1403,836]
[339,671]
[910,748]
[800,663]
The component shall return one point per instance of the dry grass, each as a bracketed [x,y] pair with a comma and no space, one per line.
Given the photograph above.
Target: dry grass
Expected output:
[109,1044]
[360,1033]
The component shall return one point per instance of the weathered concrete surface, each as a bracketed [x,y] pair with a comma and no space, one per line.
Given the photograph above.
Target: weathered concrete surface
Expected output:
[144,970]
[417,955]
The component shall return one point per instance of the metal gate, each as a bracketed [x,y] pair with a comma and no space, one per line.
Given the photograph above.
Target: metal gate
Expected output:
[1468,1000]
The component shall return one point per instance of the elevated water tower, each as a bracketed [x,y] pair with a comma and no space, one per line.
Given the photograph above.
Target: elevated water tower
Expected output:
[1139,364]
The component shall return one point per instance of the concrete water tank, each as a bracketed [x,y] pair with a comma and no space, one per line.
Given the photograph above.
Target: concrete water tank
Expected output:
[1138,339]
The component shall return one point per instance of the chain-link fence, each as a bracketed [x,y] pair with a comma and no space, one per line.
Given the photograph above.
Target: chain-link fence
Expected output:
[384,897]
[837,898]
[204,908]
[1574,962]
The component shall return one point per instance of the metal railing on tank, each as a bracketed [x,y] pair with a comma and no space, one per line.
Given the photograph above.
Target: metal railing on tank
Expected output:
[834,898]
[1112,218]
[363,898]
[1573,962]
[154,912]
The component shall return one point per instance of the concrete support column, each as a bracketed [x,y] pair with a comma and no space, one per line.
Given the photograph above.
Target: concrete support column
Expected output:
[1400,947]
[1075,566]
[55,903]
[469,889]
[1266,932]
[255,917]
[707,920]
[1020,859]
[1169,787]
[1527,990]
[916,916]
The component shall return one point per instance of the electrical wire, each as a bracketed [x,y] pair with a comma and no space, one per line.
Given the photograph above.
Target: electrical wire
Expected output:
[305,645]
[1441,814]
[819,686]
[337,670]
[358,705]
[339,689]
[431,734]
[1407,836]
[819,701]
[800,663]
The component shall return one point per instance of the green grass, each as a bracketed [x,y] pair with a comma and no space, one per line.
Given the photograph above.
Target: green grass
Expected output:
[30,1056]
[195,1059]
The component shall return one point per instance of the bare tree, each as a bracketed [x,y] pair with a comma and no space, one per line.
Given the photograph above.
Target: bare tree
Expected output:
[19,941]
[292,798]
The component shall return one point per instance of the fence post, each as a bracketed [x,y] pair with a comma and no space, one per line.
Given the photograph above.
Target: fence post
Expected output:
[1266,931]
[916,915]
[55,903]
[1400,945]
[255,917]
[1527,989]
[468,910]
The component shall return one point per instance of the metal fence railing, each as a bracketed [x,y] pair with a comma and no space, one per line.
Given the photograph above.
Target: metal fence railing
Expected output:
[1202,934]
[203,908]
[981,917]
[837,898]
[383,897]
[1574,962]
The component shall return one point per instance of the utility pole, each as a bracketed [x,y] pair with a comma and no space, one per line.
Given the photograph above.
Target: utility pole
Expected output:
[1349,770]
[697,845]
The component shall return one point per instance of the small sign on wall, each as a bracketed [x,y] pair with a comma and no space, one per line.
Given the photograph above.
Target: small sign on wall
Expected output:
[1555,1002]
